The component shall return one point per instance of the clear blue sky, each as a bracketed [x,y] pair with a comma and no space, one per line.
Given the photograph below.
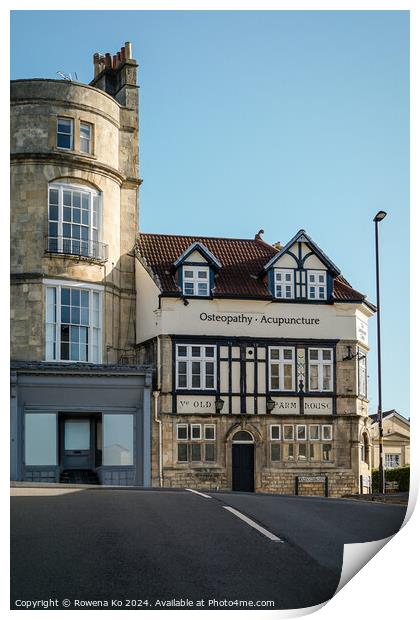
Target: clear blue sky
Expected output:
[276,120]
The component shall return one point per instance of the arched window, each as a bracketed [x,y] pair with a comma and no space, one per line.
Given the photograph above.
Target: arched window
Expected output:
[243,437]
[364,450]
[74,221]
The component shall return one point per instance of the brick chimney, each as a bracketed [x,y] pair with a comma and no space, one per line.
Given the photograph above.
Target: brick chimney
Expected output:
[117,75]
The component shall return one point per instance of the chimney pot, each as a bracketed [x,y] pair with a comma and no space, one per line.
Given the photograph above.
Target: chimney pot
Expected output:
[128,50]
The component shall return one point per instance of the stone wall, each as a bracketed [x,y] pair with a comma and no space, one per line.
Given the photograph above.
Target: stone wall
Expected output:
[111,169]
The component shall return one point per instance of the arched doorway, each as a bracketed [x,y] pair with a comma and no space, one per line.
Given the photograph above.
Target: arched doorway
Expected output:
[243,451]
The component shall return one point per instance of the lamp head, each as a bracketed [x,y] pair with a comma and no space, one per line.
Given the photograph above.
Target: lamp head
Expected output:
[379,216]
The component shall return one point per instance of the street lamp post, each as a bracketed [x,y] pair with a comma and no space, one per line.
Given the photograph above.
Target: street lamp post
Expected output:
[378,218]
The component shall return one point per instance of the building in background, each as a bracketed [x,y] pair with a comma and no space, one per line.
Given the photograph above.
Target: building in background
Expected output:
[261,365]
[80,407]
[396,440]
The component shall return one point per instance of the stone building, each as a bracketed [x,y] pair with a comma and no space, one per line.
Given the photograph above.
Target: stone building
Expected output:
[396,440]
[261,365]
[80,404]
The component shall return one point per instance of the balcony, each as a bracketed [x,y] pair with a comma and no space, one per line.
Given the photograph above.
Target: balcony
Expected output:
[81,249]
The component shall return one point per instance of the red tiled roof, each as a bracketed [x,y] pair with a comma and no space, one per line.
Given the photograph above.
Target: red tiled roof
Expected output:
[242,263]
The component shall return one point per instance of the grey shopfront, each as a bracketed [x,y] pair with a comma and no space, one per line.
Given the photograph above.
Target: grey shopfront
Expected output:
[69,418]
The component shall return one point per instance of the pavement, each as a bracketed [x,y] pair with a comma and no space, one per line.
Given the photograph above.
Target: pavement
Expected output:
[82,548]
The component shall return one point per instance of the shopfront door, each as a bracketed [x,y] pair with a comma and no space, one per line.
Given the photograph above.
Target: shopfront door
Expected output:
[77,443]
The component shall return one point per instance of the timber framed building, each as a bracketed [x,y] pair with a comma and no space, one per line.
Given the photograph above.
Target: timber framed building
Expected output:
[261,365]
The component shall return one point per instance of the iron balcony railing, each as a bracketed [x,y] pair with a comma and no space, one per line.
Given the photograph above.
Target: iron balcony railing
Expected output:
[93,250]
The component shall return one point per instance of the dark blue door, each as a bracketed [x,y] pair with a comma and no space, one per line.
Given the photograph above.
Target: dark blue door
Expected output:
[242,467]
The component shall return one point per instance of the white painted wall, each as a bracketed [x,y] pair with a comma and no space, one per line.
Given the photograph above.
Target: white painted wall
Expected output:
[251,318]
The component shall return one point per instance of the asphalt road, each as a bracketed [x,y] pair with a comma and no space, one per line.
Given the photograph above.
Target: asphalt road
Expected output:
[151,546]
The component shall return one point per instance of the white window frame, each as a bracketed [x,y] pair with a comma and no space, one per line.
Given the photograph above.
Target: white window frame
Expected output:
[178,426]
[325,426]
[57,133]
[321,363]
[281,362]
[393,457]
[278,426]
[202,359]
[193,426]
[89,140]
[92,229]
[318,433]
[297,432]
[212,426]
[83,286]
[292,438]
[195,280]
[317,285]
[280,281]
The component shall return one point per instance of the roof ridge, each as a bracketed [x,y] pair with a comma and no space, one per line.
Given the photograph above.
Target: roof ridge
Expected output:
[204,237]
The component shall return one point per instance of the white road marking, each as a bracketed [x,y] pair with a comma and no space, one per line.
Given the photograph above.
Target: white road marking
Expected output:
[252,523]
[198,493]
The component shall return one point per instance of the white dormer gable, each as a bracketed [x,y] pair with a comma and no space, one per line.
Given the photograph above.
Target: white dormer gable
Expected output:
[301,270]
[195,270]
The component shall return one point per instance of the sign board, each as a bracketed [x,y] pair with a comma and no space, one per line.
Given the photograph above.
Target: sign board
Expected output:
[196,404]
[257,319]
[286,404]
[311,478]
[318,405]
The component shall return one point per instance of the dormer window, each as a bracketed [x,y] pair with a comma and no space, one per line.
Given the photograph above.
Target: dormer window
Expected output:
[317,284]
[284,285]
[196,281]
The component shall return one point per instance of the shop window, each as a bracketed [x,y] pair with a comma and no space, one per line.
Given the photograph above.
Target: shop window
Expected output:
[195,281]
[195,367]
[284,284]
[282,368]
[73,324]
[86,138]
[65,131]
[118,439]
[320,370]
[317,285]
[74,221]
[41,439]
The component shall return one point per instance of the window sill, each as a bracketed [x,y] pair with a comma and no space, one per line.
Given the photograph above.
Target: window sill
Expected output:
[58,149]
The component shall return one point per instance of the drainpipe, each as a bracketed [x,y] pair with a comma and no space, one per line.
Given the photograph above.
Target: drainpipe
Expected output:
[156,395]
